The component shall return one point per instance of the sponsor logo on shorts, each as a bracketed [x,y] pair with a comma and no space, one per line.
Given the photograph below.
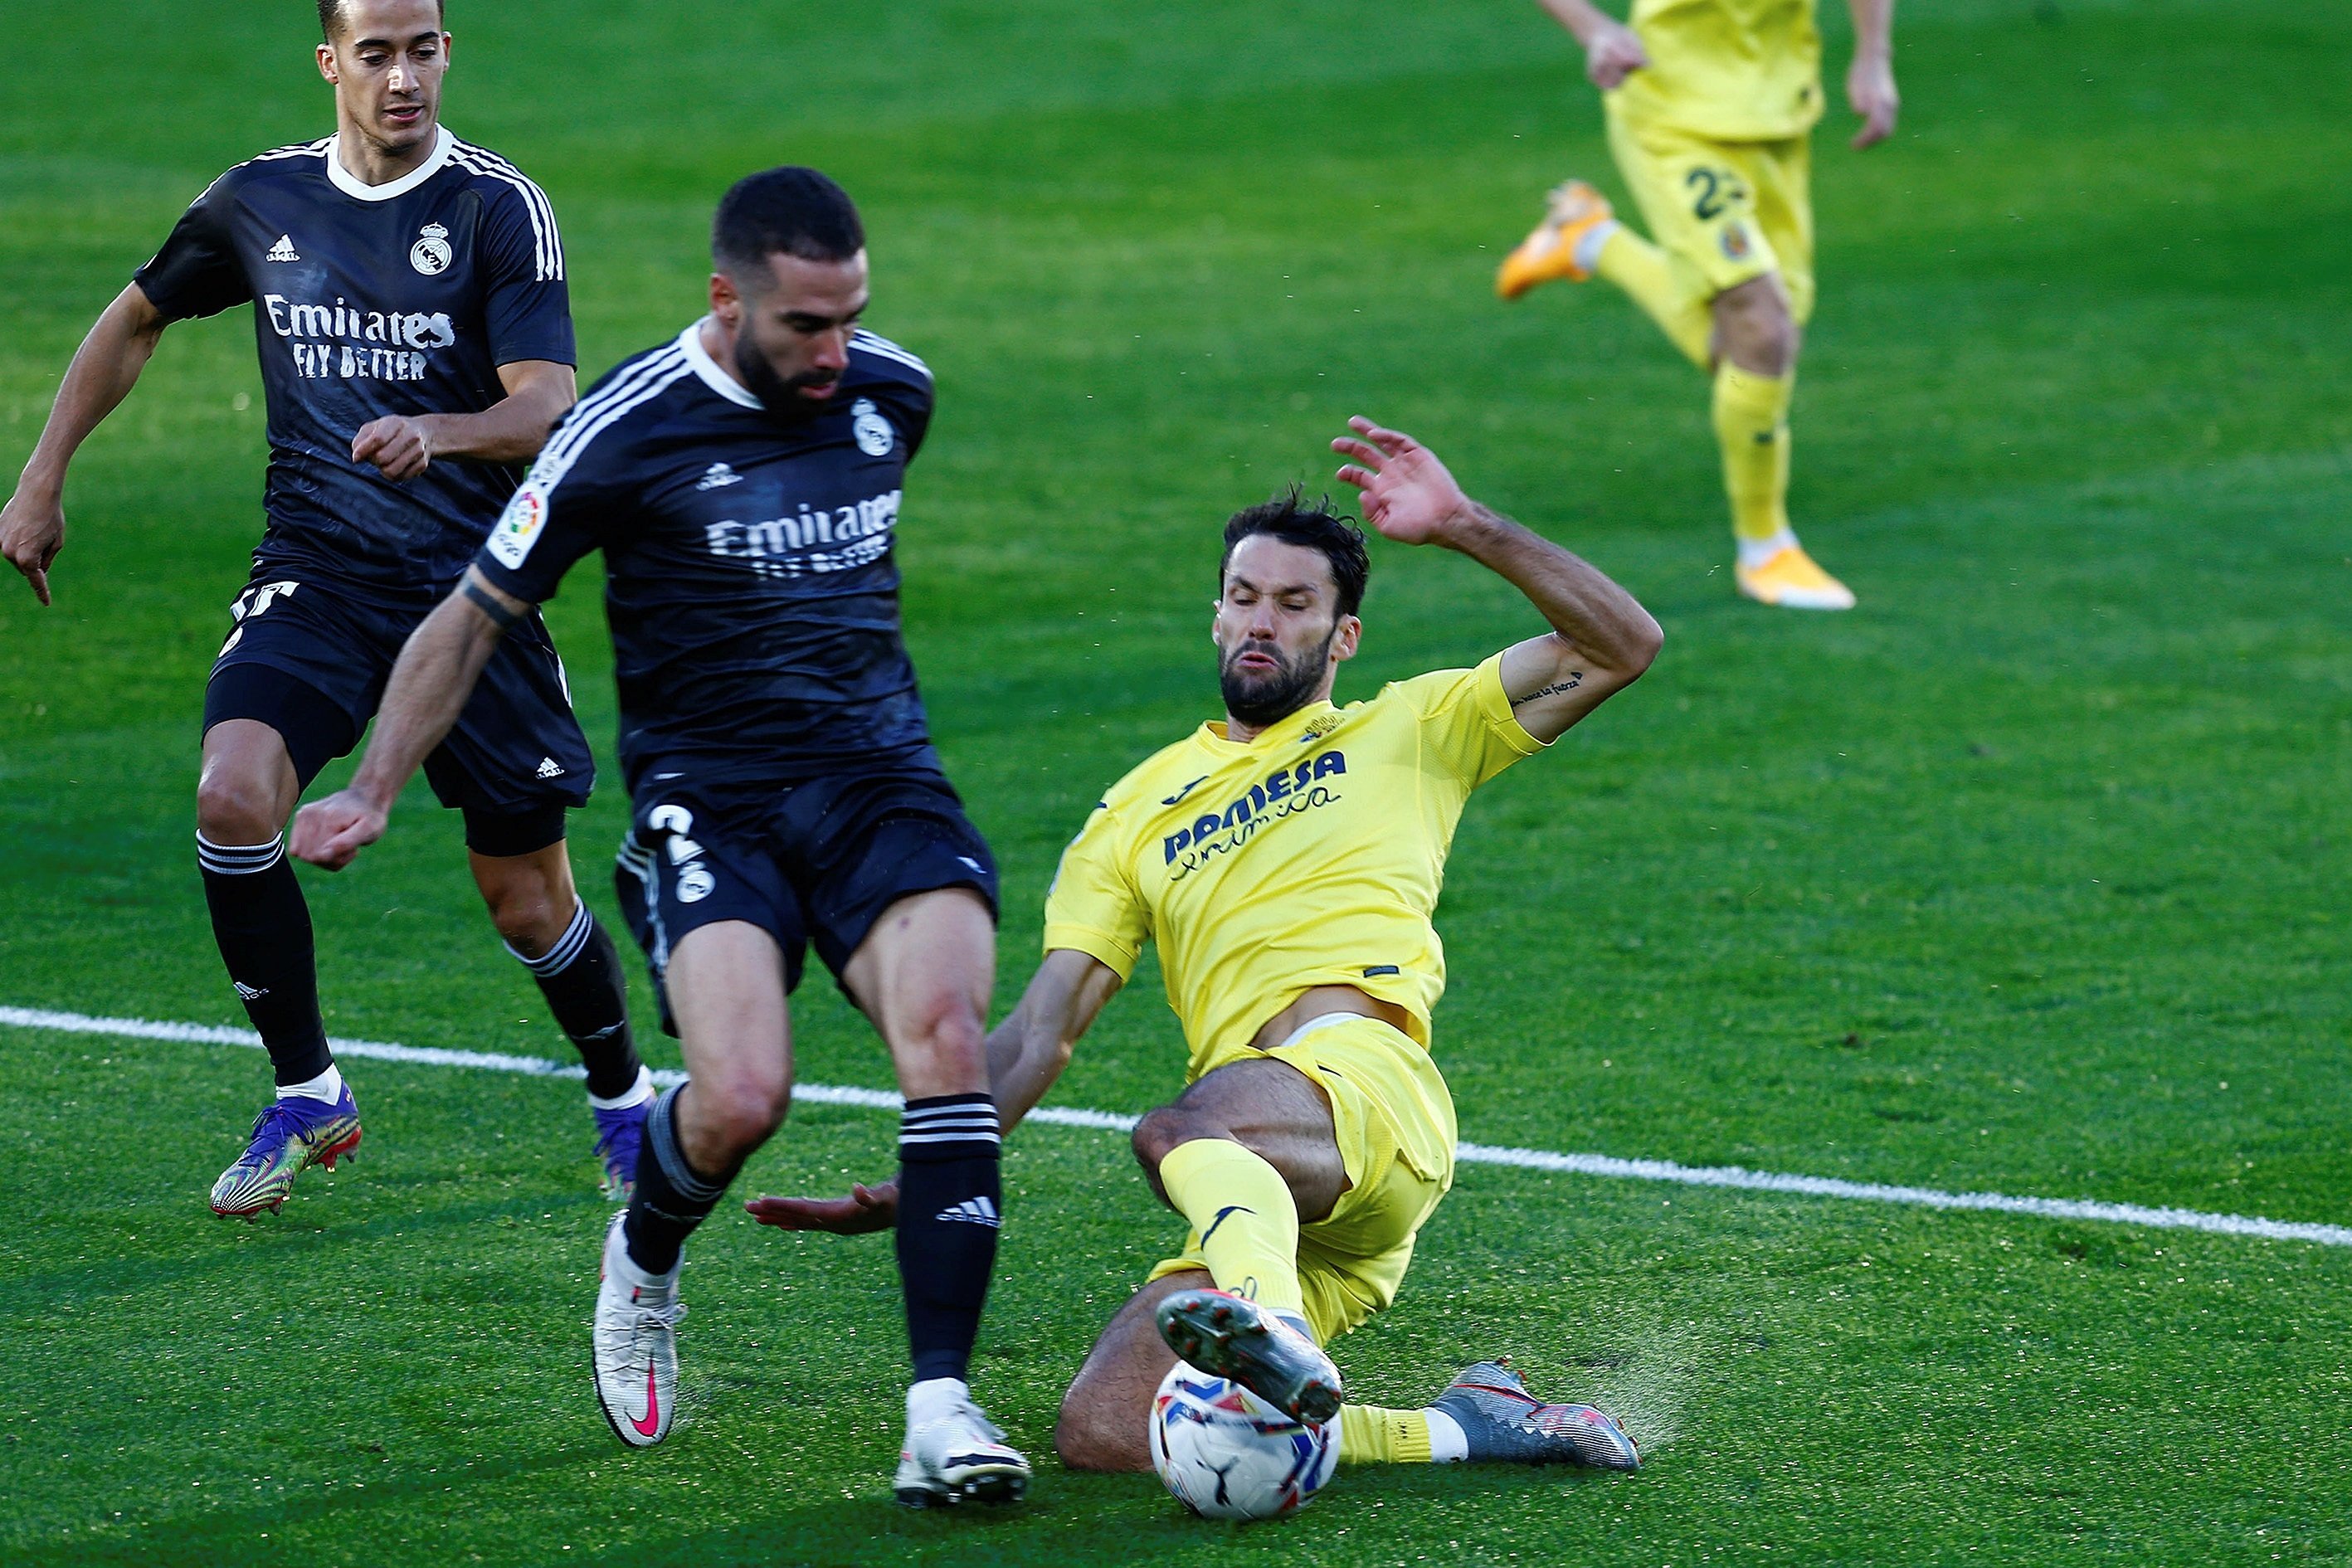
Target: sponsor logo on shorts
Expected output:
[1735,242]
[695,884]
[548,768]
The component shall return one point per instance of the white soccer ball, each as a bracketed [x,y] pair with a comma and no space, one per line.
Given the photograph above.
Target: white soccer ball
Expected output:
[1225,1453]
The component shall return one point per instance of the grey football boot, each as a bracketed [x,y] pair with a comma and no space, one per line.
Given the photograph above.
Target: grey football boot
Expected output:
[1505,1423]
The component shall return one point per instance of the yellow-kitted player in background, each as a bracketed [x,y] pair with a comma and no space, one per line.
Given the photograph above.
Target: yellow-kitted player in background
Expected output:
[1711,106]
[1285,861]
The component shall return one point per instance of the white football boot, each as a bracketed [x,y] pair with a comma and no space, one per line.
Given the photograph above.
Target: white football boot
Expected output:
[956,1454]
[636,1346]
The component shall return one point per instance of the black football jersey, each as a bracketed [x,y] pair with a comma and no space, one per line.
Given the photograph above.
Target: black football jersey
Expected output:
[371,300]
[749,575]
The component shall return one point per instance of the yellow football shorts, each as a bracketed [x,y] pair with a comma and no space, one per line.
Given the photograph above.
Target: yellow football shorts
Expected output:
[1395,1122]
[1724,212]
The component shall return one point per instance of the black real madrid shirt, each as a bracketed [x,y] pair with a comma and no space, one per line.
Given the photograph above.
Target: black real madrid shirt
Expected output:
[371,300]
[749,575]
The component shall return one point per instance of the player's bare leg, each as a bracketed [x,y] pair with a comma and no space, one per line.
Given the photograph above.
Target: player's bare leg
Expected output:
[549,930]
[1247,1154]
[245,792]
[726,984]
[923,975]
[1106,1413]
[1755,345]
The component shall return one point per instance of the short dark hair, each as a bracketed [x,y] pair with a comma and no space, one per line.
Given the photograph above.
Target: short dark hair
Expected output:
[1289,518]
[793,211]
[330,12]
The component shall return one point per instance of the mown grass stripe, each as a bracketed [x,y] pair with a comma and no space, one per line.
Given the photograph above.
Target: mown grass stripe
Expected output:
[1606,1166]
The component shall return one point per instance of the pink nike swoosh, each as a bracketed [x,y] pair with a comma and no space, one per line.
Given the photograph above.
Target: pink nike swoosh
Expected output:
[652,1423]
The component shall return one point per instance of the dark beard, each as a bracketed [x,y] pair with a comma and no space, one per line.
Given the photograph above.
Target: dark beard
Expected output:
[1263,701]
[781,397]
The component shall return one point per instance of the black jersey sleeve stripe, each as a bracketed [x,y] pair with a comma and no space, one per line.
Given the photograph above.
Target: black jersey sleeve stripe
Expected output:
[624,386]
[882,347]
[592,420]
[550,252]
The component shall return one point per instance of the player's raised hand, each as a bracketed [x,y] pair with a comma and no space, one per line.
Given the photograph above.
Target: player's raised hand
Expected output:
[1408,494]
[400,446]
[331,833]
[864,1209]
[1612,54]
[1870,89]
[32,531]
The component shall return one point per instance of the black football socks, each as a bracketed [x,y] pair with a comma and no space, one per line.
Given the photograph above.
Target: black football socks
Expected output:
[671,1196]
[582,979]
[263,927]
[949,1215]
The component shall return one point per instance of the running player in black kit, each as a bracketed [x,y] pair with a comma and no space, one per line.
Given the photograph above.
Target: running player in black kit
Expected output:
[416,342]
[744,482]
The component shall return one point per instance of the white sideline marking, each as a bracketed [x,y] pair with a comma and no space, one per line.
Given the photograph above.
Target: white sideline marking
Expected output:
[1601,1166]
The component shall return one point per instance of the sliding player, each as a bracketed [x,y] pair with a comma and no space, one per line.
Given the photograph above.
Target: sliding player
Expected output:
[1286,861]
[416,342]
[744,482]
[1711,106]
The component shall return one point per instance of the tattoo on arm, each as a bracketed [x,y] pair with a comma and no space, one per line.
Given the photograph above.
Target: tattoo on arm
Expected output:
[1557,689]
[500,616]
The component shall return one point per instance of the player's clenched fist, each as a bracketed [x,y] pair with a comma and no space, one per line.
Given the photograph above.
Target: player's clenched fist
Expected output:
[331,833]
[31,533]
[1612,54]
[400,446]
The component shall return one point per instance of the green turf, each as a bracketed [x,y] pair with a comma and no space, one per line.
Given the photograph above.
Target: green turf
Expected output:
[2024,877]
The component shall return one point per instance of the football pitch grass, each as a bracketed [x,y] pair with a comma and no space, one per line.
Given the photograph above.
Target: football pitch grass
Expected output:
[2026,876]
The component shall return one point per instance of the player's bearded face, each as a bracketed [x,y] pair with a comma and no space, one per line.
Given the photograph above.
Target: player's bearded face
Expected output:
[1264,683]
[792,345]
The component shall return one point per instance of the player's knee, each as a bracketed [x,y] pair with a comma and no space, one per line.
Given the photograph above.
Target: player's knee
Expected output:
[953,1036]
[741,1111]
[234,809]
[1161,1131]
[526,917]
[1755,328]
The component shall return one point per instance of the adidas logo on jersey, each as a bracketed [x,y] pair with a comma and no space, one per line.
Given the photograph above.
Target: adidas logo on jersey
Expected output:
[974,1211]
[718,477]
[283,250]
[548,768]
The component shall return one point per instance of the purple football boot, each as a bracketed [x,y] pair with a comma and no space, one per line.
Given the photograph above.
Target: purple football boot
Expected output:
[289,1136]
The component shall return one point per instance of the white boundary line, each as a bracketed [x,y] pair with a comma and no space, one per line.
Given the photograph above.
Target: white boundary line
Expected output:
[1602,1165]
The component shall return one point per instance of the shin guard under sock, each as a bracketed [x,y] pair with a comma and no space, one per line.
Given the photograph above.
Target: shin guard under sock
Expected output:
[1242,1210]
[263,927]
[671,1196]
[581,978]
[1751,425]
[949,1193]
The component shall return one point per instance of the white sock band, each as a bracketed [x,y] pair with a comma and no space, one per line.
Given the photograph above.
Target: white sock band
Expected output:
[326,1089]
[1448,1444]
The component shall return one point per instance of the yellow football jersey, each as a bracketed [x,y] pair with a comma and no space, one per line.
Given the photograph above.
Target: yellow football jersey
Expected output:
[1311,856]
[1735,70]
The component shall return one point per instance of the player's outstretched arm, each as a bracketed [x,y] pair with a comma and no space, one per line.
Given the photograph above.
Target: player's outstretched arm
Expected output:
[511,430]
[1870,80]
[1602,638]
[104,370]
[1612,51]
[429,686]
[1026,1053]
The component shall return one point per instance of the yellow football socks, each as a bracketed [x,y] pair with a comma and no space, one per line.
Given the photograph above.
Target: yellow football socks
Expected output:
[1246,1219]
[1643,272]
[1752,422]
[1372,1435]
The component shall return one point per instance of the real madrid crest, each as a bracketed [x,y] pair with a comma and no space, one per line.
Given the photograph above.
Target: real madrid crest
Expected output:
[875,437]
[431,254]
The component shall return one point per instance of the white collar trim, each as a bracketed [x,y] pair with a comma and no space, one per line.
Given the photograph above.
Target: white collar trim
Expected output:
[344,180]
[713,377]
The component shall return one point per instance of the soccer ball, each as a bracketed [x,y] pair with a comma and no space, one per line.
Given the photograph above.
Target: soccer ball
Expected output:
[1225,1453]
